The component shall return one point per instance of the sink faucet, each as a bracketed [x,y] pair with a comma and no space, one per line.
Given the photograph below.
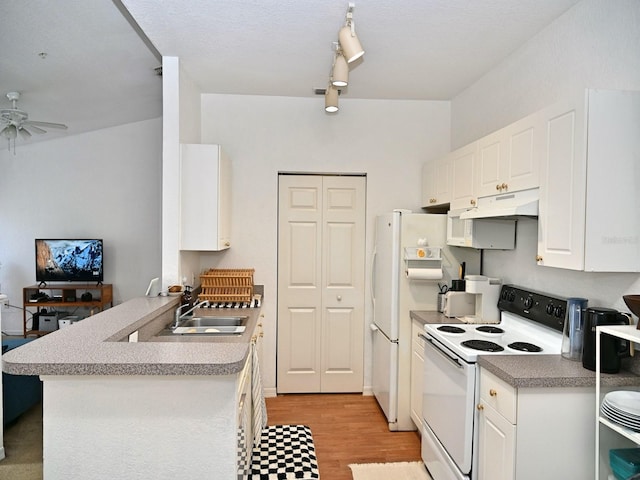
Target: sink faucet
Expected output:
[179,315]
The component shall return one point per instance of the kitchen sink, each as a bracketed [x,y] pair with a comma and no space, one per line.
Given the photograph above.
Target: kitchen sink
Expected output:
[222,325]
[227,321]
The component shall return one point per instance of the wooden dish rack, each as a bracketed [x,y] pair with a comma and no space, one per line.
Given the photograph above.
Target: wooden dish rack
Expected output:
[227,285]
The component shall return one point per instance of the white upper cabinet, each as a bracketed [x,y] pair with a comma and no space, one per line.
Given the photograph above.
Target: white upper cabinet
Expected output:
[436,182]
[463,162]
[205,198]
[589,183]
[508,159]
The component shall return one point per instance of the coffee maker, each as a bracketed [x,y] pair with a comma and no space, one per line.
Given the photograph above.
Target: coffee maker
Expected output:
[612,349]
[486,291]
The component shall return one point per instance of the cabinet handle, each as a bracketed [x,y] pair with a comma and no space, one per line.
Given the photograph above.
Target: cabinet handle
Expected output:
[472,201]
[480,407]
[538,258]
[227,244]
[260,324]
[504,186]
[261,334]
[498,187]
[432,200]
[493,393]
[339,298]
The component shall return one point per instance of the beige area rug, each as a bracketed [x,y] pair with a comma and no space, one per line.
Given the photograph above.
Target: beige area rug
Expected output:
[389,471]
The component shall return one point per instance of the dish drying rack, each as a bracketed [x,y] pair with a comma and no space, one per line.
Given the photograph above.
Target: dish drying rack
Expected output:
[227,285]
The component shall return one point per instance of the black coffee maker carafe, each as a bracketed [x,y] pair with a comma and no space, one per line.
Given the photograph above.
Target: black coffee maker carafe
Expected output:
[612,349]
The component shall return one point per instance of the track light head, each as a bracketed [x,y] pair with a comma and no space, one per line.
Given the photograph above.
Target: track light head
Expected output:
[349,42]
[331,99]
[340,72]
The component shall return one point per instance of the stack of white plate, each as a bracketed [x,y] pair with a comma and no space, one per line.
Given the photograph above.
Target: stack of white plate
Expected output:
[623,408]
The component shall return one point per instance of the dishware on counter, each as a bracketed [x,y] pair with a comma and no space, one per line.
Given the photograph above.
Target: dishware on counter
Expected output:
[573,332]
[612,349]
[633,302]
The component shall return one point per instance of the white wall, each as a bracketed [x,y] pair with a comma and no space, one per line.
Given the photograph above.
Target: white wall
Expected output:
[101,184]
[596,44]
[387,140]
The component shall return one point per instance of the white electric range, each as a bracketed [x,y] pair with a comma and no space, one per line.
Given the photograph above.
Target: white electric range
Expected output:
[531,323]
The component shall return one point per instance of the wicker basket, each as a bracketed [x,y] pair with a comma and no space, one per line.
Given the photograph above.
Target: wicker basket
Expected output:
[227,285]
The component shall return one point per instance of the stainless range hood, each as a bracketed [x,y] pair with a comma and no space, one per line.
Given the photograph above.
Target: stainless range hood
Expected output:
[522,203]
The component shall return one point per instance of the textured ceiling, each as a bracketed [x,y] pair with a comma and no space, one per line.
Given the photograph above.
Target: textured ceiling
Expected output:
[98,72]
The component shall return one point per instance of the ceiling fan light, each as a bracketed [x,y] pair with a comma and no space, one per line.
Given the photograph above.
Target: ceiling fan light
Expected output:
[340,73]
[331,99]
[10,132]
[349,43]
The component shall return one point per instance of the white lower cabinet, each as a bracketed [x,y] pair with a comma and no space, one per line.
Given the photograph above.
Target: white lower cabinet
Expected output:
[417,372]
[534,433]
[245,421]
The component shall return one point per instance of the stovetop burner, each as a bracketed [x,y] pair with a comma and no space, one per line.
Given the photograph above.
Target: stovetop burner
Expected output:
[524,347]
[482,345]
[450,329]
[490,329]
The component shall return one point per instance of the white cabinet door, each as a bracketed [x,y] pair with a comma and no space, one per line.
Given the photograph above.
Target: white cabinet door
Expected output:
[508,160]
[205,198]
[417,369]
[436,182]
[561,218]
[463,162]
[589,196]
[497,446]
[429,184]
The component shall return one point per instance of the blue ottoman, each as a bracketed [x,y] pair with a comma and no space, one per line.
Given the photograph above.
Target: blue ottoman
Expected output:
[19,392]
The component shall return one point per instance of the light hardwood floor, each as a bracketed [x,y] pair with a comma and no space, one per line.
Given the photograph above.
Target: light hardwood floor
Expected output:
[346,428]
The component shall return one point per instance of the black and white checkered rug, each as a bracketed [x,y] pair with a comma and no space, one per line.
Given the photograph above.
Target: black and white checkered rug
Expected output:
[285,452]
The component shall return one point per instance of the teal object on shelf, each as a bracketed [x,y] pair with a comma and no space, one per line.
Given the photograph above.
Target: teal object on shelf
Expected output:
[625,462]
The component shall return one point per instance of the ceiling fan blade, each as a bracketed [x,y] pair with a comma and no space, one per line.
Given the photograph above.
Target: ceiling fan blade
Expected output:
[36,129]
[46,124]
[24,133]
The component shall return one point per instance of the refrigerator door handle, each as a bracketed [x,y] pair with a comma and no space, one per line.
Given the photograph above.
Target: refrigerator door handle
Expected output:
[373,327]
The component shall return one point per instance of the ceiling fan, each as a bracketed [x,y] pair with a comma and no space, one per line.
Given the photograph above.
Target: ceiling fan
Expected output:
[14,121]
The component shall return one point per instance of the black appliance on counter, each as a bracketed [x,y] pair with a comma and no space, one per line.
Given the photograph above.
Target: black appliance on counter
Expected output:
[612,349]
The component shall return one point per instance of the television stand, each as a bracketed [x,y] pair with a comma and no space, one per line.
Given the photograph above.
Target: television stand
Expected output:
[42,303]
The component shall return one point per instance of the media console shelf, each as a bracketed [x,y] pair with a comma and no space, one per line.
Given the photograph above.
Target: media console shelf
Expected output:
[56,297]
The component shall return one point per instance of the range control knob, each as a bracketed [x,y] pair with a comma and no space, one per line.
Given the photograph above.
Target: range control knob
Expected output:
[558,311]
[528,302]
[549,309]
[508,294]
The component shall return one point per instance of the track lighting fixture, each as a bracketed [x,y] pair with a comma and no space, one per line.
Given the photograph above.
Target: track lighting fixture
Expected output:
[346,50]
[349,43]
[331,99]
[340,72]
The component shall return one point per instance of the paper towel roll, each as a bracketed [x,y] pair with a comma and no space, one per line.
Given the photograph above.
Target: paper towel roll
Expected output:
[424,273]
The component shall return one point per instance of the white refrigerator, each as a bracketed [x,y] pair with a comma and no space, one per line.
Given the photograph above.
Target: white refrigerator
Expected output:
[394,296]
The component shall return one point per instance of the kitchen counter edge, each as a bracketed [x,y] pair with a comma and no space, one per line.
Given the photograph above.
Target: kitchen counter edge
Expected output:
[98,346]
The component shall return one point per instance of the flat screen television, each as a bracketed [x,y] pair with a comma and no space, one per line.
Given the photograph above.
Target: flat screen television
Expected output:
[69,260]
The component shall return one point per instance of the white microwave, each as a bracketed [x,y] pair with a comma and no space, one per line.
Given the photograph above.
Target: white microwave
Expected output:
[485,233]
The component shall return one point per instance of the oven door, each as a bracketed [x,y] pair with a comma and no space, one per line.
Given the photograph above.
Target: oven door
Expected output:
[448,404]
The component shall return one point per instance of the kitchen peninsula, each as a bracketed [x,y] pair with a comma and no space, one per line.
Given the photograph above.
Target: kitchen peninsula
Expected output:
[160,407]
